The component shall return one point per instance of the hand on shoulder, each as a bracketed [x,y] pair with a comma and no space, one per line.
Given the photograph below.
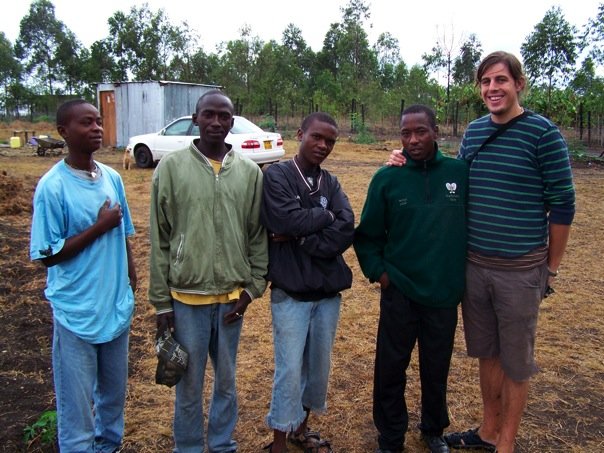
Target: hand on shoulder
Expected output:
[396,158]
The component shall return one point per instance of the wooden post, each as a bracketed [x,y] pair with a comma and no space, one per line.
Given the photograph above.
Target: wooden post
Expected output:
[455,118]
[581,121]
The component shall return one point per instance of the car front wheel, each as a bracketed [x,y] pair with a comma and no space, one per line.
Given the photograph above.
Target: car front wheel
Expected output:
[143,157]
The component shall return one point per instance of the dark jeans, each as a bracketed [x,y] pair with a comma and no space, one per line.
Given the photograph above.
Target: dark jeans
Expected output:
[402,322]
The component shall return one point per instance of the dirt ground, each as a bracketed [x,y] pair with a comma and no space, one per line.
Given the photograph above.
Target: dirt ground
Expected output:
[566,405]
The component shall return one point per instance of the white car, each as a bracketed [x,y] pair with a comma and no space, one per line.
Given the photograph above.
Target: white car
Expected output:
[246,138]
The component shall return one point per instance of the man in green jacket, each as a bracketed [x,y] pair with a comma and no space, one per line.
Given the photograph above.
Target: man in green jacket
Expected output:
[208,261]
[412,240]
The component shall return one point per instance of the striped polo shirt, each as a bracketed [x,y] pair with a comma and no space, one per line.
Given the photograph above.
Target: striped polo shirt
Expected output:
[518,183]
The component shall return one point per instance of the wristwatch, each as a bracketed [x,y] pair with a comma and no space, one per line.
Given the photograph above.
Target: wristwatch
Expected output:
[552,273]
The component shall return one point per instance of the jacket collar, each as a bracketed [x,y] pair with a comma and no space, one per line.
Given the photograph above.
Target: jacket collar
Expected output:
[226,161]
[298,170]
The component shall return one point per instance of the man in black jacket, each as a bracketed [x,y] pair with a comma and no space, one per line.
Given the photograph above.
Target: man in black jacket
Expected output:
[310,224]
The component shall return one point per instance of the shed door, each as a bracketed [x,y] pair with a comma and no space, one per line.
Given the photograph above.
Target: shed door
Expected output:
[108,114]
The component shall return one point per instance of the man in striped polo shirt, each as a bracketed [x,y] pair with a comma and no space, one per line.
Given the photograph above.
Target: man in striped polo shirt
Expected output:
[520,206]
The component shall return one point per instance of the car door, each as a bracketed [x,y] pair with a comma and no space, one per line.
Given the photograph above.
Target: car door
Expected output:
[174,136]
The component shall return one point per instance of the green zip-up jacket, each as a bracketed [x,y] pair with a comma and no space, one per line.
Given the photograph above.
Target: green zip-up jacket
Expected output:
[413,227]
[206,236]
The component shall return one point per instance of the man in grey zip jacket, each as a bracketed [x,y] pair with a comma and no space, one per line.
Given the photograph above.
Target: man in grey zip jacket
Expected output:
[208,262]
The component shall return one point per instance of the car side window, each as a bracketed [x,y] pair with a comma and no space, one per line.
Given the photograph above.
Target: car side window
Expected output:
[194,132]
[180,127]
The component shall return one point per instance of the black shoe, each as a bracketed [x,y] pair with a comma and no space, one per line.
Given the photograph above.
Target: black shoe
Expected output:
[381,450]
[436,444]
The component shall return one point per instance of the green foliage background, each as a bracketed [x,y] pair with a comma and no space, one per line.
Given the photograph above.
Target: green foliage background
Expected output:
[48,63]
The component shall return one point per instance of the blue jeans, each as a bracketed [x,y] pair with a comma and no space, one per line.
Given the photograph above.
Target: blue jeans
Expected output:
[303,336]
[87,375]
[202,331]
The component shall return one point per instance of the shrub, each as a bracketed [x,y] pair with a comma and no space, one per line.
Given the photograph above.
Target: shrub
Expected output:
[364,136]
[267,123]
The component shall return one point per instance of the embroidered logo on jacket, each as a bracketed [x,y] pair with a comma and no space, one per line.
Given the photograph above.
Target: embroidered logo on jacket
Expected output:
[452,194]
[323,202]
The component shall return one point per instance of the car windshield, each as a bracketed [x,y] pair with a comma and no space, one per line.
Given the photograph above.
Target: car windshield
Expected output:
[241,126]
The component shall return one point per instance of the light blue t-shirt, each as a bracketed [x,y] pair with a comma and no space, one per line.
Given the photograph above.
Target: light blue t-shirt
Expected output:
[90,293]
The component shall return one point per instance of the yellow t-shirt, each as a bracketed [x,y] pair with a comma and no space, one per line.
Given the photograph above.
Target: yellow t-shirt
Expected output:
[217,165]
[204,299]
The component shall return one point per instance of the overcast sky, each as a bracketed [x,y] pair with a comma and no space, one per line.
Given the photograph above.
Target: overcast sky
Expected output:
[416,24]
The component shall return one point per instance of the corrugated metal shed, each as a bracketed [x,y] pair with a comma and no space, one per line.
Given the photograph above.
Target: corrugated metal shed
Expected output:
[133,108]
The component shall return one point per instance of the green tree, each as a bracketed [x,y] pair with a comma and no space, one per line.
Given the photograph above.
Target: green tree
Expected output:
[271,85]
[145,42]
[560,104]
[442,57]
[238,70]
[588,86]
[595,36]
[466,63]
[71,56]
[329,57]
[388,55]
[199,67]
[40,45]
[550,51]
[10,70]
[100,64]
[360,59]
[420,89]
[297,66]
[346,54]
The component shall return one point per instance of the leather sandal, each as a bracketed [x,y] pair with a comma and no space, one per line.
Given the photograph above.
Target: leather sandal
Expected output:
[310,442]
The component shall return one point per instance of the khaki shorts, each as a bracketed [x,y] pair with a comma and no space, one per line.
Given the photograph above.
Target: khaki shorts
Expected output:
[500,310]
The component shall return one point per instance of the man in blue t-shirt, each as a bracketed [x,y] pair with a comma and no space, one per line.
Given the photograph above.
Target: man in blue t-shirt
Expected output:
[79,232]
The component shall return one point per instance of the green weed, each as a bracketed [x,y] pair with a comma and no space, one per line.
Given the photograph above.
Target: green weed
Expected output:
[43,431]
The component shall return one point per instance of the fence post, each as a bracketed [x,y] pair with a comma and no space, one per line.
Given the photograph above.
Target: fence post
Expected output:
[581,121]
[455,118]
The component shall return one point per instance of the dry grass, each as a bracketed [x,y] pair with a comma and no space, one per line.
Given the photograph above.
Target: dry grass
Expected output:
[566,407]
